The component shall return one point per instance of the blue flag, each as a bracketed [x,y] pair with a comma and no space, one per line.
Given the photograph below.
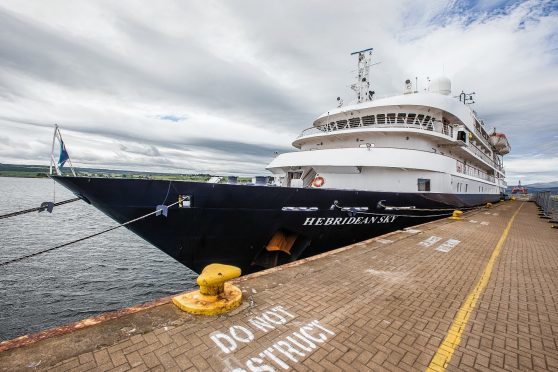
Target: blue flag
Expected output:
[63,154]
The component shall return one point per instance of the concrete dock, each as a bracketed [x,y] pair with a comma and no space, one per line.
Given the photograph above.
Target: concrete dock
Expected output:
[476,294]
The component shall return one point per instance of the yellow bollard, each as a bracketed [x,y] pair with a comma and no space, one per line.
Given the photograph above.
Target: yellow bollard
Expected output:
[456,215]
[215,296]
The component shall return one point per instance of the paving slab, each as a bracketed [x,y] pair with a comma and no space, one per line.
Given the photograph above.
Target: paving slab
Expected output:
[389,303]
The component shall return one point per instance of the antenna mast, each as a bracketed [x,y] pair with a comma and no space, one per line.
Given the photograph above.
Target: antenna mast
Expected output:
[362,85]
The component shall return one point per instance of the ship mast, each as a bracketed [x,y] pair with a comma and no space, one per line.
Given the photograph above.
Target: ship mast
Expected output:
[362,85]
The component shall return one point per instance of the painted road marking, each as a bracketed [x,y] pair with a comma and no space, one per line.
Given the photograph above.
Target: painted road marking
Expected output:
[384,241]
[412,231]
[494,214]
[453,339]
[283,353]
[487,213]
[485,223]
[473,221]
[430,241]
[448,245]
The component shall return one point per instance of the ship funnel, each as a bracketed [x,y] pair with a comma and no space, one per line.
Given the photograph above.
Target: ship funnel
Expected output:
[440,85]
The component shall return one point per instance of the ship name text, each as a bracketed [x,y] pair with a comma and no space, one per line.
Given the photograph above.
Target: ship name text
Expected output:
[336,221]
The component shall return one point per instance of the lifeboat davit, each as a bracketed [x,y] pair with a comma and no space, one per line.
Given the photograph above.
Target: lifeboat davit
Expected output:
[500,143]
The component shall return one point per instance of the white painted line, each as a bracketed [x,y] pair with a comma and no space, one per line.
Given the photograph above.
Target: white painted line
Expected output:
[384,241]
[485,223]
[487,213]
[411,231]
[430,241]
[448,245]
[494,214]
[473,221]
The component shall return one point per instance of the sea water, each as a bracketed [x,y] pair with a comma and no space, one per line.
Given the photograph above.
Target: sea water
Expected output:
[105,273]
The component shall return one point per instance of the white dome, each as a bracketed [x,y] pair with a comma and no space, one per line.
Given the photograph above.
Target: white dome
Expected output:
[440,85]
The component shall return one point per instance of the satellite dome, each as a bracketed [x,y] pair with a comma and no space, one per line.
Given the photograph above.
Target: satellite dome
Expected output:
[440,85]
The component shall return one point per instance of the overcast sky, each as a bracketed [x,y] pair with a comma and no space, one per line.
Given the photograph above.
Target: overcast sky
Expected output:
[203,86]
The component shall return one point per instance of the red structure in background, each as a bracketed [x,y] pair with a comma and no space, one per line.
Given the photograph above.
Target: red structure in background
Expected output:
[519,189]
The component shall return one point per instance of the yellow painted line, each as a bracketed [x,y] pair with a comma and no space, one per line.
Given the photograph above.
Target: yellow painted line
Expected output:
[443,356]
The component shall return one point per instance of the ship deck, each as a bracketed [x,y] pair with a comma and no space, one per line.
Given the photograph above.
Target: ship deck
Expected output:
[477,294]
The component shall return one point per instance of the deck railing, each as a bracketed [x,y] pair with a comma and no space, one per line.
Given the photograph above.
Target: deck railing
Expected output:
[382,121]
[482,139]
[481,154]
[474,172]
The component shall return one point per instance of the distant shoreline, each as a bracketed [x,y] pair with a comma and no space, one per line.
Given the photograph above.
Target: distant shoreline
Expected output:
[42,171]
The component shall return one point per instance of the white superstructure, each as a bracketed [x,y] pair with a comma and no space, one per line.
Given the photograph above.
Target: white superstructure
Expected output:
[414,142]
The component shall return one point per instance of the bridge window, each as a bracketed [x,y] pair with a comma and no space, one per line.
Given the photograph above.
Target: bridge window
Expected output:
[381,119]
[423,184]
[390,118]
[341,124]
[354,122]
[368,120]
[411,118]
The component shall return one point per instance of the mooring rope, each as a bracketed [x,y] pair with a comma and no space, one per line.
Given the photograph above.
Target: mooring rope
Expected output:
[5,263]
[36,209]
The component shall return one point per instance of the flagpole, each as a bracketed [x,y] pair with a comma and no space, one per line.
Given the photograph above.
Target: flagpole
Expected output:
[52,149]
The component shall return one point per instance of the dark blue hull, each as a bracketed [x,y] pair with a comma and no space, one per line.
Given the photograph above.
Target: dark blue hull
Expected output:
[232,224]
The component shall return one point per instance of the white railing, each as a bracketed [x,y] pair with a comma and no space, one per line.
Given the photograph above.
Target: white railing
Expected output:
[481,154]
[474,172]
[481,138]
[386,121]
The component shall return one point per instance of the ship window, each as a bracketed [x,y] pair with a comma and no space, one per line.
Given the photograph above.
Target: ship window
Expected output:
[331,125]
[401,118]
[381,119]
[411,118]
[466,187]
[354,122]
[341,124]
[368,120]
[423,184]
[390,118]
[420,118]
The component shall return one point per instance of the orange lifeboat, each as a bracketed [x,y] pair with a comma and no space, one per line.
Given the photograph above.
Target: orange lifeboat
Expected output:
[500,143]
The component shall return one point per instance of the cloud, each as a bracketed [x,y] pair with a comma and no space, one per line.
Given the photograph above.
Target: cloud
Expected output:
[192,87]
[141,150]
[172,118]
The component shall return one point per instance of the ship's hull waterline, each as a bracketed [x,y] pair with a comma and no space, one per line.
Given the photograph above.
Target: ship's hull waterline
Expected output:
[232,224]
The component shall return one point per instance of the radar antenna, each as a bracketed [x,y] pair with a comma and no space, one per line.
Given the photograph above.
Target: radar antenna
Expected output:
[362,85]
[466,98]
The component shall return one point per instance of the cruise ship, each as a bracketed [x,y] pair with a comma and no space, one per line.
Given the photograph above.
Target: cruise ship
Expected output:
[361,170]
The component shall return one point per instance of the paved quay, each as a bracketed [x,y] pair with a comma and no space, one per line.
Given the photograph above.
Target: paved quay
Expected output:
[477,294]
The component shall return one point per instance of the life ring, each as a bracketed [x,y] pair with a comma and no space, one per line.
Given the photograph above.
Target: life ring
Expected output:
[318,181]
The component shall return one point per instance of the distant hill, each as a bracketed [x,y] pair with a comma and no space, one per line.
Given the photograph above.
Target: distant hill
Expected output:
[18,170]
[545,185]
[40,171]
